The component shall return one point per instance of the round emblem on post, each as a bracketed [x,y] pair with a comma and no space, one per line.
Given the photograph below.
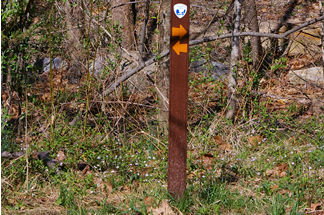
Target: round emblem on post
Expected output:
[180,10]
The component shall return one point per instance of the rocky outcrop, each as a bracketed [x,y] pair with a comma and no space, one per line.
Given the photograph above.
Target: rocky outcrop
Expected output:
[313,75]
[305,42]
[57,63]
[97,68]
[216,70]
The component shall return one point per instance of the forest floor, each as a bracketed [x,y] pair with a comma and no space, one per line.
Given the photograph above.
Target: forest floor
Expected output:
[270,161]
[113,159]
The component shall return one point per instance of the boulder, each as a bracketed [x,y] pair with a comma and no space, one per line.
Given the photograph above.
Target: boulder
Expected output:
[219,70]
[103,69]
[57,63]
[41,68]
[266,27]
[75,72]
[305,42]
[97,68]
[215,69]
[314,75]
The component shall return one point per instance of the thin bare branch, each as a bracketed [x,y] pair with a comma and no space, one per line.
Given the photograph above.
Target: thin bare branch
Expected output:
[213,20]
[290,7]
[134,71]
[153,59]
[147,14]
[256,34]
[126,3]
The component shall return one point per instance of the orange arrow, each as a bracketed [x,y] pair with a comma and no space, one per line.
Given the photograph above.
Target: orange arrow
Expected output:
[179,32]
[178,47]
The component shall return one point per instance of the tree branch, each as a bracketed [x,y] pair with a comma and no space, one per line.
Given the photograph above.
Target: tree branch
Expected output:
[256,34]
[155,58]
[134,71]
[132,2]
[142,41]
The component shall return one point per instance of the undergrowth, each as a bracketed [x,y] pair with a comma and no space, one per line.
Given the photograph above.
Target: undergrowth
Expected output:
[89,153]
[270,164]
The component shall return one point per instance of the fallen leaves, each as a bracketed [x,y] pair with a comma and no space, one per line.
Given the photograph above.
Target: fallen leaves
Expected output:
[254,140]
[275,188]
[279,171]
[10,101]
[163,209]
[60,82]
[149,201]
[60,156]
[207,161]
[222,145]
[103,186]
[315,208]
[300,62]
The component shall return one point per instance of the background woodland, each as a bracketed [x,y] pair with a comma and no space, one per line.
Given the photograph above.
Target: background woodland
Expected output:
[84,107]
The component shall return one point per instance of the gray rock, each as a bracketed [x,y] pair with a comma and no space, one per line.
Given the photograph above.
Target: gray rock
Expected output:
[98,67]
[57,63]
[314,75]
[217,70]
[198,66]
[74,73]
[6,154]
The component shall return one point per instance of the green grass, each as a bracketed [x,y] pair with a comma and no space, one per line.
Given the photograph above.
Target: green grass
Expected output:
[278,173]
[267,161]
[238,181]
[136,170]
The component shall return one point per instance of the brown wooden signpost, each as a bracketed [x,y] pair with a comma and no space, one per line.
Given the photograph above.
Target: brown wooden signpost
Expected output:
[179,63]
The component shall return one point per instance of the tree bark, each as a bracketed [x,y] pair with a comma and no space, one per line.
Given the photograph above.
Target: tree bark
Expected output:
[74,17]
[252,20]
[162,78]
[143,33]
[123,16]
[321,2]
[232,82]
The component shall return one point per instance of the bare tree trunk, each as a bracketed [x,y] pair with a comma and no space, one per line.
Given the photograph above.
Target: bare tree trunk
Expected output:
[234,57]
[143,34]
[162,78]
[321,2]
[252,20]
[74,17]
[122,14]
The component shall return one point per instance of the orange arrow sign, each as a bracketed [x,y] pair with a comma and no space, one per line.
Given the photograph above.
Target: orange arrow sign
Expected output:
[178,47]
[179,32]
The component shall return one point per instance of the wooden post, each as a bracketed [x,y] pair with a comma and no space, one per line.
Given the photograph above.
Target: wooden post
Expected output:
[178,104]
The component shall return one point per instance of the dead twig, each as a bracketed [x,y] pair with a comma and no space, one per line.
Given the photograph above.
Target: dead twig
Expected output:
[291,6]
[215,19]
[163,54]
[256,34]
[126,3]
[142,41]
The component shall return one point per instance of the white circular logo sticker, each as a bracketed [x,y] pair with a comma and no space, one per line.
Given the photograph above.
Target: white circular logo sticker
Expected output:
[180,10]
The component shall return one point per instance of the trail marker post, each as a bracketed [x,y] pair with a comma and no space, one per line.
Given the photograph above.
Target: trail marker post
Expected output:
[178,103]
